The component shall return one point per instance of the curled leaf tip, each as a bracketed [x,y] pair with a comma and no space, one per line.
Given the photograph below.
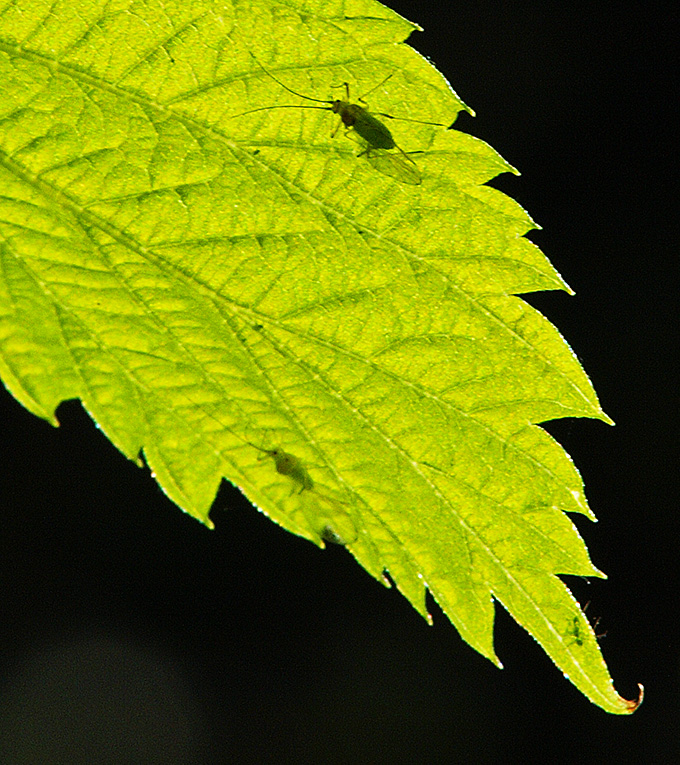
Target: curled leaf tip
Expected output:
[632,705]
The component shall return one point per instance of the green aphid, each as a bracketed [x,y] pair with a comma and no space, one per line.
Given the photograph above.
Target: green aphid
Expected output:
[380,147]
[329,534]
[329,516]
[289,465]
[576,631]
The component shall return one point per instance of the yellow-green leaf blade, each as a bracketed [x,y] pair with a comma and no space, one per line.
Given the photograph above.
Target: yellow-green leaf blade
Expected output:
[220,287]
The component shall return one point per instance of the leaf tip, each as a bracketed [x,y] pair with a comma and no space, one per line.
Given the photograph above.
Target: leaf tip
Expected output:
[633,704]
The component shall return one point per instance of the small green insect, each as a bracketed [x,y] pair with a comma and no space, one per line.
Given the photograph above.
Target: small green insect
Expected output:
[328,515]
[289,465]
[379,143]
[329,534]
[576,631]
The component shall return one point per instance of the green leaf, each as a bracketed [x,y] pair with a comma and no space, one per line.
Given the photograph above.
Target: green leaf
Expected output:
[248,296]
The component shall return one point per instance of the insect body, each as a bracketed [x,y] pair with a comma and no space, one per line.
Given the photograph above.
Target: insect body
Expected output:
[378,139]
[289,465]
[327,515]
[329,518]
[575,630]
[372,130]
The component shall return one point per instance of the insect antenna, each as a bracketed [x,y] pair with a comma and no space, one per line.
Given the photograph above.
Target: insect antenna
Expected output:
[282,106]
[290,90]
[285,106]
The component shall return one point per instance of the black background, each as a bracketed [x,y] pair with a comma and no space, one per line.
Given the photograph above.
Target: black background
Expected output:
[130,633]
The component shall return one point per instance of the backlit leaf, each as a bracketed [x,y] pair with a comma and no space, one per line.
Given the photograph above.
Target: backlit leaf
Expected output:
[249,296]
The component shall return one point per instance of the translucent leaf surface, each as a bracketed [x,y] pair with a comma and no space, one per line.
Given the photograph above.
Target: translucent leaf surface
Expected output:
[248,296]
